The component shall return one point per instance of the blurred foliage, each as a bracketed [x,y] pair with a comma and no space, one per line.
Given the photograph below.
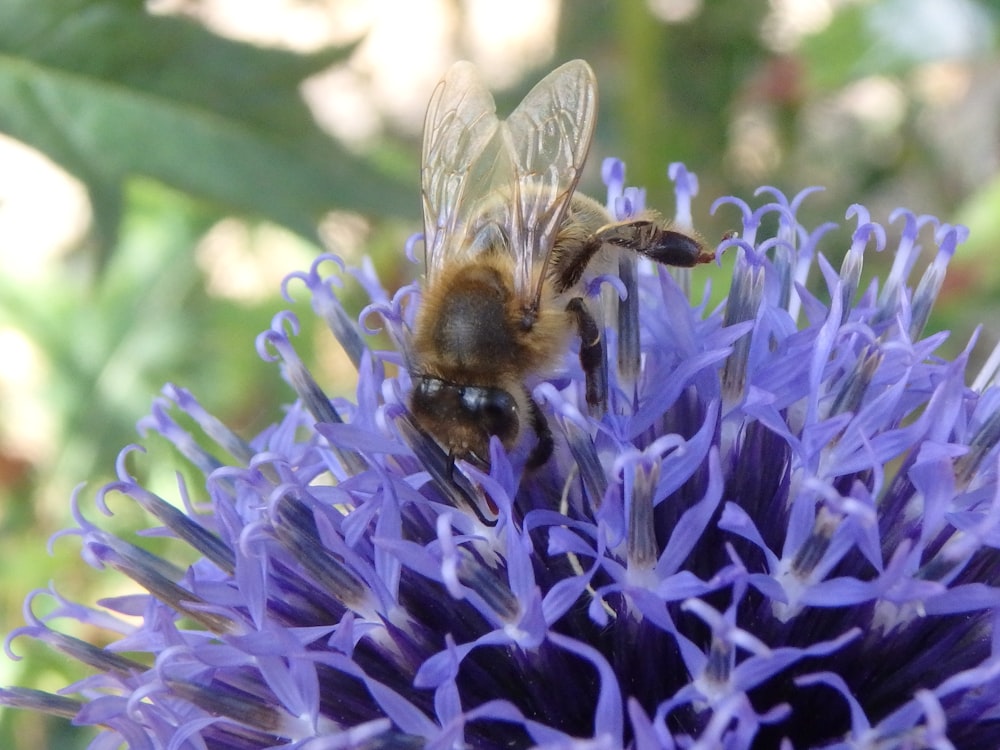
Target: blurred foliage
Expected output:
[111,92]
[171,127]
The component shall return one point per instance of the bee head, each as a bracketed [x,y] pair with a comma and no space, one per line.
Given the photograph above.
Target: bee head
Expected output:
[463,417]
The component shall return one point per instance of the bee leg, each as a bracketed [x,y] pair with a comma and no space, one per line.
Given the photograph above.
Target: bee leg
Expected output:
[657,243]
[543,448]
[592,357]
[572,260]
[642,236]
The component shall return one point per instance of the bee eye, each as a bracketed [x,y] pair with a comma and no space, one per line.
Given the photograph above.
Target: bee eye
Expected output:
[427,388]
[475,411]
[494,409]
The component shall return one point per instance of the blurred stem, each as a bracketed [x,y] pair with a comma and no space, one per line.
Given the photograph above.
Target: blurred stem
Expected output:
[642,45]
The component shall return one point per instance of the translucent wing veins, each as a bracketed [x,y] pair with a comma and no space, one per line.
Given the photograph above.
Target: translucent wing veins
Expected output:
[549,137]
[519,173]
[461,119]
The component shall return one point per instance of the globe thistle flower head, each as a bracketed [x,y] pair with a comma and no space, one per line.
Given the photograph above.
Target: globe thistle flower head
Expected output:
[782,533]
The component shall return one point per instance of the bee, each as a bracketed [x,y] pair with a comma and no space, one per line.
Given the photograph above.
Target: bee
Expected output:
[509,246]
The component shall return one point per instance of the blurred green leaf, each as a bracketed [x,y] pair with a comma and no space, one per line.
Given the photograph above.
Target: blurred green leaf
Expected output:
[109,91]
[890,37]
[981,213]
[839,54]
[108,345]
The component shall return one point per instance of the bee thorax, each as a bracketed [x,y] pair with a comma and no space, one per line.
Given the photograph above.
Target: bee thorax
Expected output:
[469,328]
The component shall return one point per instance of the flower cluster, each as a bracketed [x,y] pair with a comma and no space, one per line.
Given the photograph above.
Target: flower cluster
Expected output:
[783,533]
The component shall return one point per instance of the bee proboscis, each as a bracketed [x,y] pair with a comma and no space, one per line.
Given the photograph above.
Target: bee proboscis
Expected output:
[509,244]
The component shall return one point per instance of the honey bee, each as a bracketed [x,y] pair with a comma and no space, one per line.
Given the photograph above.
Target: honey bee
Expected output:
[509,245]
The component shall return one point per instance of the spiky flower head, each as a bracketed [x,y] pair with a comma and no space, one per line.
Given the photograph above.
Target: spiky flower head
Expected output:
[783,533]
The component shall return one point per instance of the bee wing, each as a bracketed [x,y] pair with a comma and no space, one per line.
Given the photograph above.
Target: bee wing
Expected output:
[459,128]
[547,138]
[530,162]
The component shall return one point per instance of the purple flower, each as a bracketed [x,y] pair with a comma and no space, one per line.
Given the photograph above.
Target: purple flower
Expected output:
[783,534]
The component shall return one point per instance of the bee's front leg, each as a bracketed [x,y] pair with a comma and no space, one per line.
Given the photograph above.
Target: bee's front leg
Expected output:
[657,243]
[543,448]
[592,357]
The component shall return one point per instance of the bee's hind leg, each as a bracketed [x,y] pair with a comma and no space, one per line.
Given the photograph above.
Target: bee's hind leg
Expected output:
[592,356]
[543,448]
[657,243]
